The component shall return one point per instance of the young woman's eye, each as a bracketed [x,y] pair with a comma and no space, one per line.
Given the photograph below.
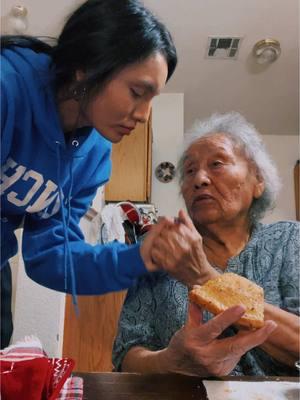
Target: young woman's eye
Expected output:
[136,93]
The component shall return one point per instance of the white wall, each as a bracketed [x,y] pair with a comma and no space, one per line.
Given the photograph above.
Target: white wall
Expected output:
[38,311]
[284,150]
[167,126]
[45,18]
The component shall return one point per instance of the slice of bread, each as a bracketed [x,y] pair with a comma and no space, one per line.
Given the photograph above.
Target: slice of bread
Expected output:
[228,290]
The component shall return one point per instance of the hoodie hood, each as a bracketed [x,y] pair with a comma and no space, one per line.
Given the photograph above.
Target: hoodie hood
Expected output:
[37,75]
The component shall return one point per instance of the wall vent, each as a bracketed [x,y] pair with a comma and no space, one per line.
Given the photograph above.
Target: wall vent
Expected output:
[223,47]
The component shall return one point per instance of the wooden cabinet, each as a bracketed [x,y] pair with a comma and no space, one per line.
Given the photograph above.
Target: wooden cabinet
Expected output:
[89,337]
[131,167]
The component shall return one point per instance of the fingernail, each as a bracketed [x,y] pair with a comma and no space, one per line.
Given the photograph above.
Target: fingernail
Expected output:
[239,309]
[271,326]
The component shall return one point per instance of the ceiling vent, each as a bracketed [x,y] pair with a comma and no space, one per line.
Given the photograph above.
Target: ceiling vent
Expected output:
[223,47]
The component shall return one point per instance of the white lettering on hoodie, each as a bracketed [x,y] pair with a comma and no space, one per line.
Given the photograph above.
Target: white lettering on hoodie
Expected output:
[48,200]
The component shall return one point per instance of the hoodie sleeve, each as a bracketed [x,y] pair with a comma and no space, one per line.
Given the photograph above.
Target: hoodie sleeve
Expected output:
[6,131]
[97,269]
[10,102]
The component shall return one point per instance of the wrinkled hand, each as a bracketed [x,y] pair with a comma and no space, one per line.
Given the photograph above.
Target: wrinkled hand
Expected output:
[196,350]
[147,244]
[178,250]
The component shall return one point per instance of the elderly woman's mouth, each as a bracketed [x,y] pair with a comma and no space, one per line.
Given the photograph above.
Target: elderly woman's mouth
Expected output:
[203,198]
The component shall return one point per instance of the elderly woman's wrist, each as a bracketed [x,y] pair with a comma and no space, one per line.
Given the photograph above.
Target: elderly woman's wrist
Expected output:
[162,362]
[141,359]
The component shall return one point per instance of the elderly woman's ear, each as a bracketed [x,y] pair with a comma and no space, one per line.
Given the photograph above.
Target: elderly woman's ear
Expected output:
[259,187]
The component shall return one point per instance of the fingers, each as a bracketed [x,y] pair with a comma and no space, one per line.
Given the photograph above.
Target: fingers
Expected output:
[214,327]
[179,227]
[242,342]
[194,317]
[257,337]
[165,220]
[177,232]
[158,228]
[185,219]
[171,238]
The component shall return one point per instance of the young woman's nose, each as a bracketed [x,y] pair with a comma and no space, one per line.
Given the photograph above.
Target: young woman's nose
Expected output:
[201,179]
[142,112]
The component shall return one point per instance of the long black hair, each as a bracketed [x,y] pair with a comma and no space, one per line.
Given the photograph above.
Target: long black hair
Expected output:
[100,38]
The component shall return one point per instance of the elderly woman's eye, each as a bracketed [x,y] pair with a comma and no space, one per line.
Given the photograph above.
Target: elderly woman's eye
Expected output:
[189,171]
[217,163]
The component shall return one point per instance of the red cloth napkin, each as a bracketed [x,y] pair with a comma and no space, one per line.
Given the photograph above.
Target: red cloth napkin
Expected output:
[28,374]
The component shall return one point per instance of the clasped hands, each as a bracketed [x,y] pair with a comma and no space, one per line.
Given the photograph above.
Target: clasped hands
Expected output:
[175,246]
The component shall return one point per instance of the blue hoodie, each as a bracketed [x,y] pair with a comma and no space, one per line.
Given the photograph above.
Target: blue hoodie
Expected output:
[47,185]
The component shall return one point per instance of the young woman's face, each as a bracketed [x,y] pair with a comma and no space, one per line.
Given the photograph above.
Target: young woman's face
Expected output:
[126,99]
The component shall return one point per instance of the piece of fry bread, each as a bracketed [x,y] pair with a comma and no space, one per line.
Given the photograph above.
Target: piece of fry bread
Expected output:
[228,290]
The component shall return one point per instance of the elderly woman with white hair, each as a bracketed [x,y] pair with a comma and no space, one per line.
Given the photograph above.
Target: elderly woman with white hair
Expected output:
[228,182]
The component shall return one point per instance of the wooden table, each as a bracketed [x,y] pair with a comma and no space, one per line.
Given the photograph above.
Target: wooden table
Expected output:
[124,386]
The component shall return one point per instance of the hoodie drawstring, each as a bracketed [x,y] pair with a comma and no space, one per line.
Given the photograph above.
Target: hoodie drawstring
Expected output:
[67,251]
[70,191]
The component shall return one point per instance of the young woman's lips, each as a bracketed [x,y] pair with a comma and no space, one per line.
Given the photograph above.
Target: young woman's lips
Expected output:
[125,130]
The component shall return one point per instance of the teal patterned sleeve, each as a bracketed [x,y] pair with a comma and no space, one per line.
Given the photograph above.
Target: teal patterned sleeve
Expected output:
[136,323]
[154,309]
[289,274]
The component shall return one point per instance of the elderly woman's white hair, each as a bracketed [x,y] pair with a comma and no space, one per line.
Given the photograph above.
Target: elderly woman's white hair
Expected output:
[244,134]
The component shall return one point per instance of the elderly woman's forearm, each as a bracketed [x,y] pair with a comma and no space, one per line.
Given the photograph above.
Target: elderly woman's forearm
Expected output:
[283,343]
[140,359]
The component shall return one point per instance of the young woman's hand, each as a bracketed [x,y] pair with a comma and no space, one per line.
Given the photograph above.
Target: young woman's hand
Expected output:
[151,237]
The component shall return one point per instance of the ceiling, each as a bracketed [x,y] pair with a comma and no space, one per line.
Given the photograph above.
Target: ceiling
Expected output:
[266,96]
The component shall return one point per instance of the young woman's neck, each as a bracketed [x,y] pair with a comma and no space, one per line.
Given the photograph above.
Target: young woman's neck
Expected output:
[70,111]
[69,115]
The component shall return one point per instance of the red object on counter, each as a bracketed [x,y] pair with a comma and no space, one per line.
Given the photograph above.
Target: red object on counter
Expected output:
[28,374]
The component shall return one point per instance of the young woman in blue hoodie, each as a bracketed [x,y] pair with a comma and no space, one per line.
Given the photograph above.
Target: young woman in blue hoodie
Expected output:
[61,109]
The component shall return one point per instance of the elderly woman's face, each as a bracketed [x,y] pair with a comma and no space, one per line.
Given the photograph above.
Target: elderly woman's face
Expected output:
[219,183]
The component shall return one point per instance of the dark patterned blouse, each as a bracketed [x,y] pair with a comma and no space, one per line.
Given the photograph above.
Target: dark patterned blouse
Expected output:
[156,307]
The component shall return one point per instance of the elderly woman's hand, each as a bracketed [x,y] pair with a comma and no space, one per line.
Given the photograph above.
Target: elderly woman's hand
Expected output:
[178,250]
[196,350]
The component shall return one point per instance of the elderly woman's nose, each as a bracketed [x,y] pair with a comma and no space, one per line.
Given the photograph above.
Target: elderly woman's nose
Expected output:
[201,178]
